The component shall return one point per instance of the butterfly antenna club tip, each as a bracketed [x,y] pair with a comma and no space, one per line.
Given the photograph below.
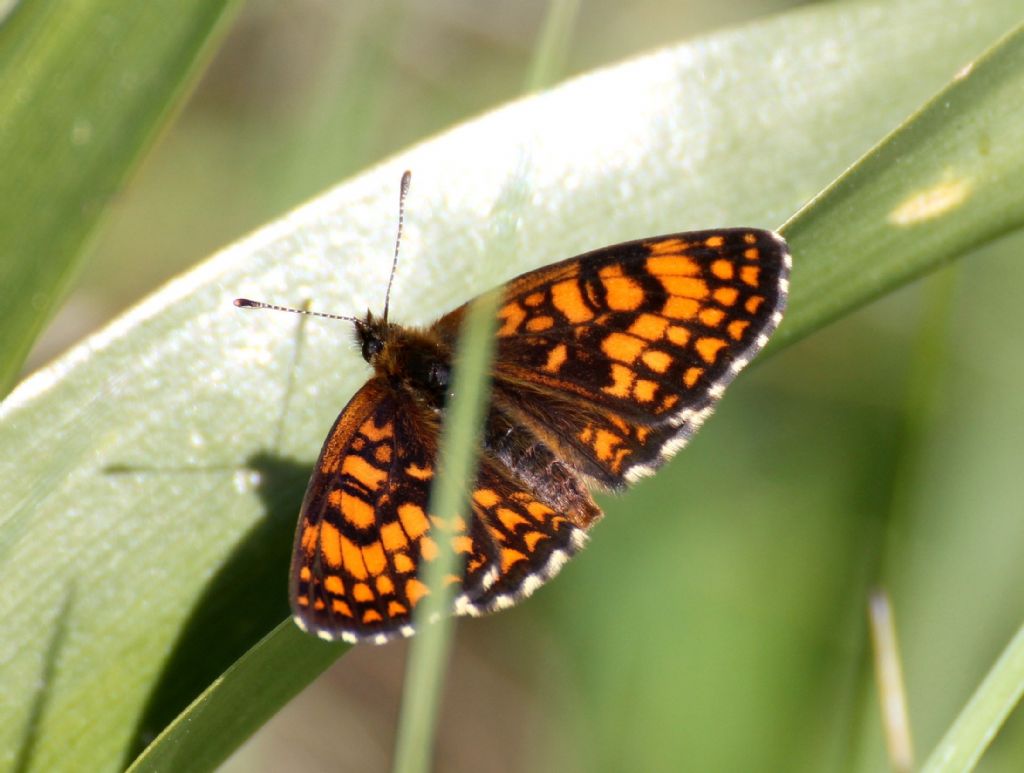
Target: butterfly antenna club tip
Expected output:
[248,303]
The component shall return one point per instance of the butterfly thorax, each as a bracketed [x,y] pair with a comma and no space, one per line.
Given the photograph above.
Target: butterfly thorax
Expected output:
[411,359]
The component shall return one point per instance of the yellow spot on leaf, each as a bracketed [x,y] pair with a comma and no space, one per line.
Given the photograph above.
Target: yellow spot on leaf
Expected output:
[931,202]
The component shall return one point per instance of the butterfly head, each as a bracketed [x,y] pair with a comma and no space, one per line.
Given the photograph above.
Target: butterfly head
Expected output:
[371,335]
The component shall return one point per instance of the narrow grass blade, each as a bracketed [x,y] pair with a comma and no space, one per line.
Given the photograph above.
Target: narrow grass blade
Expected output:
[84,89]
[976,726]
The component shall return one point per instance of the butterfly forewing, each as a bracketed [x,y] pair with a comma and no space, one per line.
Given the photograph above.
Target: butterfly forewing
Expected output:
[626,349]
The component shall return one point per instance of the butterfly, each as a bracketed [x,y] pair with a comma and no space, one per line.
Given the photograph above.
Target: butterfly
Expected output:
[605,365]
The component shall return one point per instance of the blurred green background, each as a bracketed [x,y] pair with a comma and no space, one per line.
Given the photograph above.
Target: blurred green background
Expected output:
[716,622]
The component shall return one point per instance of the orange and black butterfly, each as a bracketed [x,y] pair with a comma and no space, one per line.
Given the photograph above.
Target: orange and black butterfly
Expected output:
[605,365]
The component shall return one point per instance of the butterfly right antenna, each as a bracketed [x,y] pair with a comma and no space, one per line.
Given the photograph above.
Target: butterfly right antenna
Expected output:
[402,193]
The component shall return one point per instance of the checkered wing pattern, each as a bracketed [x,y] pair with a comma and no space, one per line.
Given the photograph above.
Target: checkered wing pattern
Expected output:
[365,532]
[617,356]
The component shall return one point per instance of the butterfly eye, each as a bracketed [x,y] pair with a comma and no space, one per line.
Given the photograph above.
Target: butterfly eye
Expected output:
[438,375]
[371,348]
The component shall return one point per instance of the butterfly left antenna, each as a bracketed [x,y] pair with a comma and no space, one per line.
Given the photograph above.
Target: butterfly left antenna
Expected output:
[402,193]
[246,303]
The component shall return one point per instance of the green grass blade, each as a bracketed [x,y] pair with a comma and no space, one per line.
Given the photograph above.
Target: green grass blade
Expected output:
[976,726]
[427,662]
[144,464]
[230,703]
[460,436]
[84,89]
[945,182]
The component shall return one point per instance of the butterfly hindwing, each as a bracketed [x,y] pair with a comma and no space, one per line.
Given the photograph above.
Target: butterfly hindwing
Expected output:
[365,532]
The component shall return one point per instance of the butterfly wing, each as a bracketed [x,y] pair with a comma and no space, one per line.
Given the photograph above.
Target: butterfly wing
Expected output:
[363,528]
[615,357]
[365,531]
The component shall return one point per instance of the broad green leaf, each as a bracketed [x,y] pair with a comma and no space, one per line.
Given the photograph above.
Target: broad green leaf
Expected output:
[84,89]
[185,434]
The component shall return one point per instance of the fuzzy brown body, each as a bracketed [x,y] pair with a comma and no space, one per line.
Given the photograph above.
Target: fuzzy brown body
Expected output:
[418,362]
[605,365]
